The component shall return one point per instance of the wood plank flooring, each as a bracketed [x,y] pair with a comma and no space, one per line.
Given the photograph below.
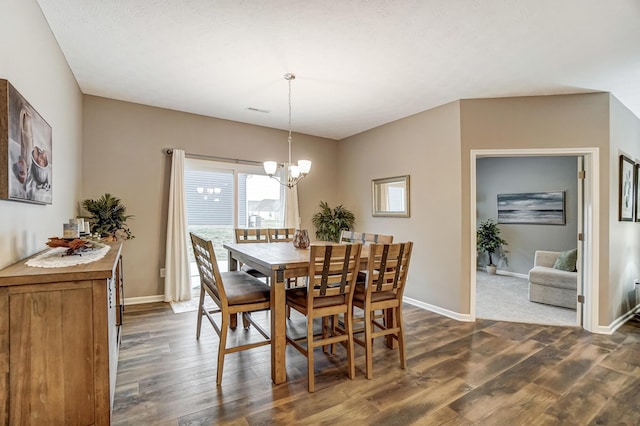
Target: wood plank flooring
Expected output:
[488,372]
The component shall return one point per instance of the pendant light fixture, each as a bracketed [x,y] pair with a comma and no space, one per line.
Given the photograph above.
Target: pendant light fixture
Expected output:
[294,173]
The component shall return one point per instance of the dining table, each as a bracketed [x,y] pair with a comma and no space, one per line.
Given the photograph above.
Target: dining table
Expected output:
[279,261]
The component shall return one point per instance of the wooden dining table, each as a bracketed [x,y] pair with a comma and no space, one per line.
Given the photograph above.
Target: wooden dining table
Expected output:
[279,261]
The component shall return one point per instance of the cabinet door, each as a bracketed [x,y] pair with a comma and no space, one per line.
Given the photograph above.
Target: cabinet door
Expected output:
[51,372]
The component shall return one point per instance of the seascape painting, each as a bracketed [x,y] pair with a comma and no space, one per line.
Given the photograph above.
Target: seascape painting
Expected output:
[539,208]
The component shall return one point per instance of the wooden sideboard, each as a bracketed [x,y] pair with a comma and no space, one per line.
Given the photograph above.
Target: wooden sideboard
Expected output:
[59,342]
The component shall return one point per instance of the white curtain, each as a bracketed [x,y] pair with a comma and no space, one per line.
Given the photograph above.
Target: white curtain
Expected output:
[177,281]
[291,210]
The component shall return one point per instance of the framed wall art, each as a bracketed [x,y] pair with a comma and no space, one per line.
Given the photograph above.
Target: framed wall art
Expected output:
[25,150]
[636,180]
[626,193]
[536,208]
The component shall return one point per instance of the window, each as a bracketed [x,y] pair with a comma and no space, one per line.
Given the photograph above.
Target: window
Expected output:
[224,196]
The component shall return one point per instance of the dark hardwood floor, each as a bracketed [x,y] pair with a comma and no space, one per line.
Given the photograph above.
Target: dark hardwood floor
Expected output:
[488,372]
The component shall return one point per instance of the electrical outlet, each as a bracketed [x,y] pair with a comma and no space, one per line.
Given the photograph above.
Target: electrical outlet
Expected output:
[162,273]
[636,281]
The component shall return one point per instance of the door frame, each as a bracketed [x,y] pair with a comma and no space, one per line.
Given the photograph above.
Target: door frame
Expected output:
[589,254]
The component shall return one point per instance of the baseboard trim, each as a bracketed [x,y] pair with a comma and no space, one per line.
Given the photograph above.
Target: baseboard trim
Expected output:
[508,273]
[143,299]
[611,328]
[512,274]
[438,310]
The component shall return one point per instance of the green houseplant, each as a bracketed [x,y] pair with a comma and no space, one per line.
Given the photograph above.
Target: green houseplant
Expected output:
[108,218]
[489,240]
[330,222]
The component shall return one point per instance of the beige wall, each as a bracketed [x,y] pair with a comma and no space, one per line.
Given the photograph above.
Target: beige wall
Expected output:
[35,66]
[425,146]
[434,148]
[571,121]
[124,155]
[624,248]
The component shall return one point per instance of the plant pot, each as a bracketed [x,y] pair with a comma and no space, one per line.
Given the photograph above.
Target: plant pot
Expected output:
[491,269]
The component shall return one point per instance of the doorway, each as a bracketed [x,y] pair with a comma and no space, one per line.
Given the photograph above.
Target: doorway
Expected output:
[587,226]
[534,203]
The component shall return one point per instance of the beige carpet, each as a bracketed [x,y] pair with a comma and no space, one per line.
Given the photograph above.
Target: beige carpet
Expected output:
[506,298]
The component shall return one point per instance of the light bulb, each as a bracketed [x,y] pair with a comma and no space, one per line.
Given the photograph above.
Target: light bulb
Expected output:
[270,167]
[305,166]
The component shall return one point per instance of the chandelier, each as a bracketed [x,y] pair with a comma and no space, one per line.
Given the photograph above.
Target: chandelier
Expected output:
[294,172]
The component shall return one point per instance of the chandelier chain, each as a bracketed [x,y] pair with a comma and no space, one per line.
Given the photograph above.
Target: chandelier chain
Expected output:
[290,77]
[293,173]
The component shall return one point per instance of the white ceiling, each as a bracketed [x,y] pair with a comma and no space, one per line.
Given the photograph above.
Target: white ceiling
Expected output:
[359,63]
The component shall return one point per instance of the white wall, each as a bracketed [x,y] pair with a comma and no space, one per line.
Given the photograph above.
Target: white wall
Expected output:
[35,66]
[509,175]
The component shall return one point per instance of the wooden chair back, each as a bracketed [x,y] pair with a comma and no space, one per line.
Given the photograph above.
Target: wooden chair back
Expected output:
[387,267]
[251,235]
[208,268]
[364,238]
[280,235]
[333,270]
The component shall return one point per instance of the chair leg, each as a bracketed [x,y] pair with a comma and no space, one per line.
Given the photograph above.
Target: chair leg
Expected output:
[310,361]
[325,334]
[334,332]
[233,321]
[245,320]
[348,321]
[398,320]
[222,346]
[200,308]
[368,341]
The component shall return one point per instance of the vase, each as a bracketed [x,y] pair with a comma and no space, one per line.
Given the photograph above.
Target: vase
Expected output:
[491,269]
[301,239]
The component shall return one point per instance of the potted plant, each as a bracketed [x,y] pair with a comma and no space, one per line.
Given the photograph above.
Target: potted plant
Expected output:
[488,239]
[330,222]
[108,218]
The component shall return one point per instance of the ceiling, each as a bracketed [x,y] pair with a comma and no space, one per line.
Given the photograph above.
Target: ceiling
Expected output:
[359,63]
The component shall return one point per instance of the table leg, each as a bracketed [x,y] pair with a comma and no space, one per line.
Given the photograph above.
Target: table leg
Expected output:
[233,266]
[278,328]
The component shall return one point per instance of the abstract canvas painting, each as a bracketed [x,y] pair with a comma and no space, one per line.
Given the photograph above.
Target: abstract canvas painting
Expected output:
[25,149]
[540,208]
[626,190]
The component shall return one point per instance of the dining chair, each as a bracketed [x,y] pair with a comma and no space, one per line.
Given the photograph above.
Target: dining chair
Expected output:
[280,235]
[329,291]
[251,236]
[383,289]
[283,235]
[233,292]
[364,237]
